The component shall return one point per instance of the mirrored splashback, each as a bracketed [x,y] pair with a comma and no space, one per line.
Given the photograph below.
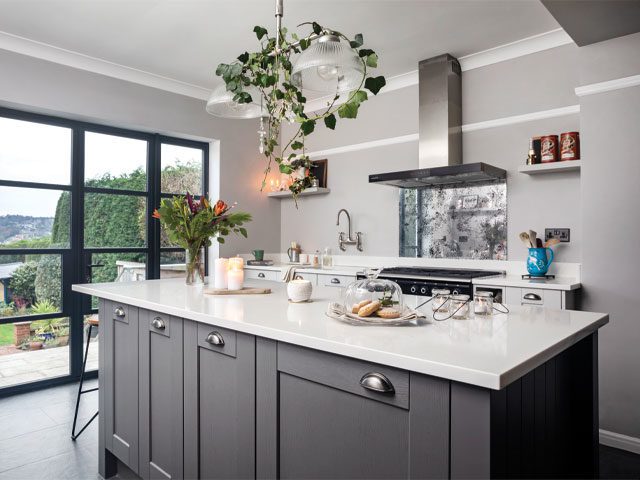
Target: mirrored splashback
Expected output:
[454,221]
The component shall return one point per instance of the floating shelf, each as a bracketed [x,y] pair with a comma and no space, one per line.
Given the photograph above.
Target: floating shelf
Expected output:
[308,191]
[553,167]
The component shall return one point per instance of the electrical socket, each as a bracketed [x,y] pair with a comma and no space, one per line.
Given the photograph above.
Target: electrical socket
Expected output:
[562,234]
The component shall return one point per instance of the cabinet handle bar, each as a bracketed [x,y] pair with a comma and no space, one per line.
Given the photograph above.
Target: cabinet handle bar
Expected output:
[214,338]
[158,323]
[377,382]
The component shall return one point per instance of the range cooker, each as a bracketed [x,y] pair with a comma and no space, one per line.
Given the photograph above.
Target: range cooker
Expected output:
[421,280]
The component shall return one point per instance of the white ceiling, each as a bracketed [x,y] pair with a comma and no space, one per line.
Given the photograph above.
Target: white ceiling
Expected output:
[185,40]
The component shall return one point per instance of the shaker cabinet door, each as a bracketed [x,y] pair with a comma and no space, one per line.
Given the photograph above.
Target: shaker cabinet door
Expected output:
[219,417]
[161,396]
[119,339]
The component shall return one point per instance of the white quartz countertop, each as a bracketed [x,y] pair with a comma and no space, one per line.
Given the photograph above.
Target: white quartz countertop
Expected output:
[558,283]
[336,270]
[488,352]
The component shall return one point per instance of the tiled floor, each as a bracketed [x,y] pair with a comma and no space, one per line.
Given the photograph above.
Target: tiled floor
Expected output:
[28,366]
[35,441]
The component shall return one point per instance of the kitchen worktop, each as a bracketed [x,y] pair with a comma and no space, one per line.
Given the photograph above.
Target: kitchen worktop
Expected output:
[335,270]
[490,352]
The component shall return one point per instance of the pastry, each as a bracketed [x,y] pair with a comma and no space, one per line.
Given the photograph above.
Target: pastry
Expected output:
[388,313]
[357,306]
[369,308]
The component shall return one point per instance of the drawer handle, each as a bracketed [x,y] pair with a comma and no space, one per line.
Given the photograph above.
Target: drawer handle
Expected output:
[261,275]
[119,312]
[377,382]
[532,296]
[158,323]
[335,281]
[214,338]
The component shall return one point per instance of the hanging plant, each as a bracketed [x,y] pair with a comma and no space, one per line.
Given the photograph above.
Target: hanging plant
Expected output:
[269,74]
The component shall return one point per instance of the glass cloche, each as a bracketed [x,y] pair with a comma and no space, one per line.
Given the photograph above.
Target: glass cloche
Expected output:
[369,292]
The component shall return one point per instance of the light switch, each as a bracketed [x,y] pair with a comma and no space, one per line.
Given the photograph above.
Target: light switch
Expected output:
[562,234]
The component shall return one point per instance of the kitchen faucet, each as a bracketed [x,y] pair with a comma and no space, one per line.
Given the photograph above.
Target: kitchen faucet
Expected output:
[342,242]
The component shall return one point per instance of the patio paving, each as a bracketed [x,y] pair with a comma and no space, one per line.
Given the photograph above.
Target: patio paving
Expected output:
[28,366]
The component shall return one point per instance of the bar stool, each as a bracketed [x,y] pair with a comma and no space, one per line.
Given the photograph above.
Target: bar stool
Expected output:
[92,322]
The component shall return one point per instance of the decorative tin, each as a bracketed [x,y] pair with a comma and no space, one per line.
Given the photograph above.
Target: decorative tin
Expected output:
[549,148]
[570,146]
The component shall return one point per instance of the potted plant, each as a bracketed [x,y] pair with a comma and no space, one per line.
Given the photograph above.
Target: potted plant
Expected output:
[48,328]
[35,343]
[192,223]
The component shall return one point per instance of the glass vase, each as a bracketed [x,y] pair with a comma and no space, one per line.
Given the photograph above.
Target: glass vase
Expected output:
[195,266]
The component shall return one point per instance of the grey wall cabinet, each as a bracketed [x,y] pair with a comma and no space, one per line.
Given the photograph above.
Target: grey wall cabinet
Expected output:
[219,370]
[119,392]
[325,416]
[161,395]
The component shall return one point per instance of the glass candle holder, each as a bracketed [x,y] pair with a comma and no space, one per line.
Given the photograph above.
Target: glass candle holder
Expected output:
[459,307]
[440,299]
[483,303]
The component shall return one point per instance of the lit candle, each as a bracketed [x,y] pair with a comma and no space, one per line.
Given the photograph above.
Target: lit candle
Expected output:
[235,275]
[236,263]
[220,273]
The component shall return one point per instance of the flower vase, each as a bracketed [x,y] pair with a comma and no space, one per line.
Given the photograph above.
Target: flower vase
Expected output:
[195,266]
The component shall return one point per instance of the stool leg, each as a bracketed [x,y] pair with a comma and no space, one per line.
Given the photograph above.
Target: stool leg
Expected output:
[75,435]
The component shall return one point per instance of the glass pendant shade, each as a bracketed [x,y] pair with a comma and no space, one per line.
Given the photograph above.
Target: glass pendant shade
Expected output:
[328,66]
[221,104]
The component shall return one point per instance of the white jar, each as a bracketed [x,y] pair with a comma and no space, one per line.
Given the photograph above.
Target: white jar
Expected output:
[299,290]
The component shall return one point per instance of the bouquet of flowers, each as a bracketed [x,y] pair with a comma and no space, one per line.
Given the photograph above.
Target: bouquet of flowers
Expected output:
[192,223]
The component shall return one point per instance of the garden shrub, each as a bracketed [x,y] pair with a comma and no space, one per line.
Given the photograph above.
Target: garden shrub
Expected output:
[22,284]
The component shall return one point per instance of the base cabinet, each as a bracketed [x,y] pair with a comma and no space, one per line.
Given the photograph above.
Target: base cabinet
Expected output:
[219,403]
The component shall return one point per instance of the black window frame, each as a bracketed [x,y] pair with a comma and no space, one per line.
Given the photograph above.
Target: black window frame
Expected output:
[74,261]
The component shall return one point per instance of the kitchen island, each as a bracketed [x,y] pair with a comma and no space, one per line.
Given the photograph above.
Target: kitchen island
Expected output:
[196,386]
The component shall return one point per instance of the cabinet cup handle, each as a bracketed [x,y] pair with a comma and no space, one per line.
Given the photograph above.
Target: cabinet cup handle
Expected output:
[158,323]
[335,281]
[118,312]
[214,338]
[532,296]
[377,382]
[261,275]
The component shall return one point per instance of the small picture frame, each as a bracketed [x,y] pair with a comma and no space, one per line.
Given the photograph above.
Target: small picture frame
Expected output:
[470,201]
[319,170]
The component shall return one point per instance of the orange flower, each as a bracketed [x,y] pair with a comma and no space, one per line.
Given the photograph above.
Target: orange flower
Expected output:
[156,213]
[220,208]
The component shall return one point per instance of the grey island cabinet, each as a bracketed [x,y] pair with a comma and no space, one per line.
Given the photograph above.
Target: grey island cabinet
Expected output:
[193,386]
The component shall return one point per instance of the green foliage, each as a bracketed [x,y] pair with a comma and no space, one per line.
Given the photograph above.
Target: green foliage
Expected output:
[62,221]
[47,282]
[270,72]
[43,306]
[22,282]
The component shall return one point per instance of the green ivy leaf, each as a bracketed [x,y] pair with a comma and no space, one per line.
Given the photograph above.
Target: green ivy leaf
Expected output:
[220,239]
[357,41]
[348,110]
[374,84]
[222,69]
[244,58]
[365,52]
[286,169]
[304,43]
[359,96]
[279,94]
[330,121]
[260,31]
[297,145]
[317,29]
[372,60]
[242,97]
[308,126]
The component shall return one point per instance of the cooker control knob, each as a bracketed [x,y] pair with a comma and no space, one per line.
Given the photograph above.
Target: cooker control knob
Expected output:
[423,290]
[413,289]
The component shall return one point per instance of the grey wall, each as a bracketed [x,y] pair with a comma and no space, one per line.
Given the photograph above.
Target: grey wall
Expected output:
[32,84]
[610,128]
[540,81]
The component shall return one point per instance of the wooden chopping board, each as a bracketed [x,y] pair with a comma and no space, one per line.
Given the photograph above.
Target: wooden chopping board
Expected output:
[244,291]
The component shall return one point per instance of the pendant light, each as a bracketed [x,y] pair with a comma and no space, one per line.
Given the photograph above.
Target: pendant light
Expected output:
[328,66]
[221,104]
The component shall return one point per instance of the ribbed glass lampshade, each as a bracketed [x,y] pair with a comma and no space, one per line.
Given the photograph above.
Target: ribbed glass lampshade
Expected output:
[328,66]
[221,104]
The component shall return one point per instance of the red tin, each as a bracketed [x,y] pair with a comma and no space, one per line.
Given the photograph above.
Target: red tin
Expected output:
[570,146]
[549,148]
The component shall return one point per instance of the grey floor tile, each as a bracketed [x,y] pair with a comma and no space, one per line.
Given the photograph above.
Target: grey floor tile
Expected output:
[77,464]
[17,424]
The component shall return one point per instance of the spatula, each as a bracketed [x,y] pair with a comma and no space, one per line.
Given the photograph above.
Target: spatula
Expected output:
[524,236]
[533,238]
[551,242]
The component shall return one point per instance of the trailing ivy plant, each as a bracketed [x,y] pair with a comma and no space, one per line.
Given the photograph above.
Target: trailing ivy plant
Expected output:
[269,70]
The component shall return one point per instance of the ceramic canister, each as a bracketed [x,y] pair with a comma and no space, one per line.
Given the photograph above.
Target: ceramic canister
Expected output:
[299,290]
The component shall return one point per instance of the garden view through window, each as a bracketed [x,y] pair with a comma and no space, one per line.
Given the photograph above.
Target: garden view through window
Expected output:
[46,245]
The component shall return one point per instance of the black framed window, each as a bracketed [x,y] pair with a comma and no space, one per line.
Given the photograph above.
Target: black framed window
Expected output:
[75,207]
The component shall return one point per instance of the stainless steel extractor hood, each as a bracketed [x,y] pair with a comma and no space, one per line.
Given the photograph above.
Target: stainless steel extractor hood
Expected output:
[440,132]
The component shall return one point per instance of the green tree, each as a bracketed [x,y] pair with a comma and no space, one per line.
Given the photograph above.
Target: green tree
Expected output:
[48,280]
[22,282]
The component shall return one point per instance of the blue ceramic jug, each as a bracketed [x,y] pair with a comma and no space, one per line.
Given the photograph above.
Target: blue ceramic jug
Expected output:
[537,262]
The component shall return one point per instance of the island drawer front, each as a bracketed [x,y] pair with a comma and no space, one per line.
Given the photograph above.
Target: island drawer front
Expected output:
[335,280]
[535,296]
[343,373]
[209,334]
[119,312]
[262,274]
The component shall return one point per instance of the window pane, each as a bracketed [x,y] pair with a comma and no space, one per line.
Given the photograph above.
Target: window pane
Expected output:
[115,220]
[31,351]
[172,264]
[115,162]
[30,285]
[117,267]
[92,356]
[181,169]
[34,152]
[34,218]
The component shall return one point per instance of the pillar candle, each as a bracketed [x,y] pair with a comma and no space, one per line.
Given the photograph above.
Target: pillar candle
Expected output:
[235,279]
[220,274]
